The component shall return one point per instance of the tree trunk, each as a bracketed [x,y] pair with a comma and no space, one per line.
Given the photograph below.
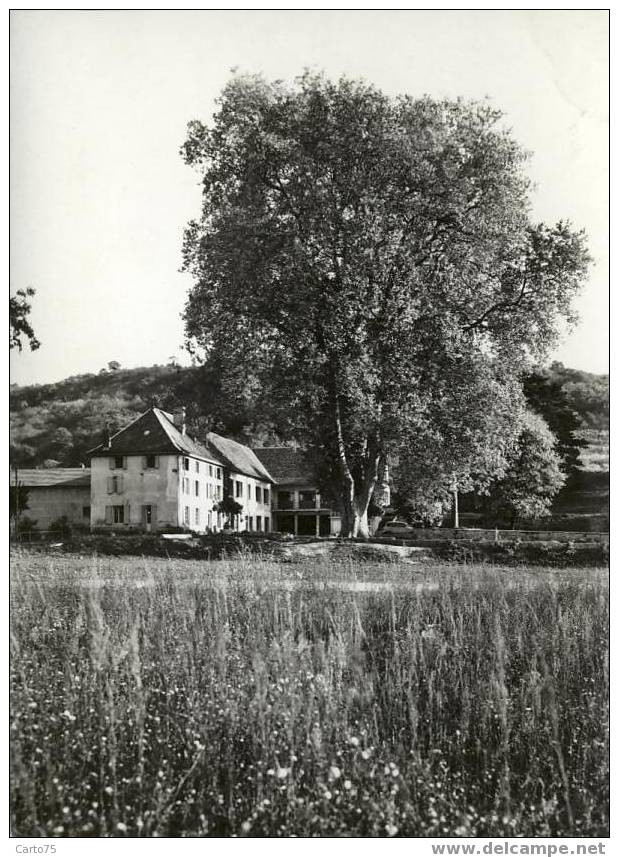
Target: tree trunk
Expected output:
[356,498]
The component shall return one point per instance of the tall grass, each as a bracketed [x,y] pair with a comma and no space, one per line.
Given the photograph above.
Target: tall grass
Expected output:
[146,702]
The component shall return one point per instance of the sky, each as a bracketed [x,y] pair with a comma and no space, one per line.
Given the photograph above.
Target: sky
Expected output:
[100,103]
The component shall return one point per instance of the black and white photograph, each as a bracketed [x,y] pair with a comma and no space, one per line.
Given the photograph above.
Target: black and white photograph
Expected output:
[309,428]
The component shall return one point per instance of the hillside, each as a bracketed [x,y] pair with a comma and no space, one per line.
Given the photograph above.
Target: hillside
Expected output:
[60,422]
[56,424]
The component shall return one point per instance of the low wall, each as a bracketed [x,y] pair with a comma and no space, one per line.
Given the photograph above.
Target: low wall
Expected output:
[478,535]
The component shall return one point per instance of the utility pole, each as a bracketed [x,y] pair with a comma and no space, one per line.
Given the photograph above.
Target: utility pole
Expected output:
[16,502]
[456,514]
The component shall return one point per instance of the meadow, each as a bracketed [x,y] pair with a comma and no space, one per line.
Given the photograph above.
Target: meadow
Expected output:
[246,698]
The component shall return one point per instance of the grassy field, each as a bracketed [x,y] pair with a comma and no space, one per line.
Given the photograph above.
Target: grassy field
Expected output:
[154,698]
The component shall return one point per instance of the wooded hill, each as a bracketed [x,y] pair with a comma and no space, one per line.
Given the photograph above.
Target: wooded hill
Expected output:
[56,424]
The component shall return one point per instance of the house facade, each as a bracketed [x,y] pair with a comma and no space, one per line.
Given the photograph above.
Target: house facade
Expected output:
[152,475]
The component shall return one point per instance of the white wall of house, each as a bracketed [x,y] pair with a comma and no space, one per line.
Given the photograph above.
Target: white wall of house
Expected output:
[200,489]
[126,484]
[255,496]
[155,492]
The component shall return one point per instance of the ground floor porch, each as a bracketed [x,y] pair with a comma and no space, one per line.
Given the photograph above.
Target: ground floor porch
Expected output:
[307,523]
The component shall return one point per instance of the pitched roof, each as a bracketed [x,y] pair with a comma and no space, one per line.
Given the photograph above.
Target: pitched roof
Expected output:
[287,465]
[57,477]
[238,457]
[154,433]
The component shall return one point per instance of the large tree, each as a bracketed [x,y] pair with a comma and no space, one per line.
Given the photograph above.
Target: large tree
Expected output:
[362,258]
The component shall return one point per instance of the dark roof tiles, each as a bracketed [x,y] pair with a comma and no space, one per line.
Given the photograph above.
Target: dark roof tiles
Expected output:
[238,457]
[154,433]
[288,465]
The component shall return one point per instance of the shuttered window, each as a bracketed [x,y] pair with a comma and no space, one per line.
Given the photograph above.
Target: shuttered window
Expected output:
[150,462]
[115,514]
[114,485]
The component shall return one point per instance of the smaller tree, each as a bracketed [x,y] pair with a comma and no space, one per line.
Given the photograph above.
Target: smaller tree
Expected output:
[18,500]
[19,325]
[533,476]
[113,366]
[230,508]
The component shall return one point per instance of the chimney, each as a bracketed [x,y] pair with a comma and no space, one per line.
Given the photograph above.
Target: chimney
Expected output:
[180,420]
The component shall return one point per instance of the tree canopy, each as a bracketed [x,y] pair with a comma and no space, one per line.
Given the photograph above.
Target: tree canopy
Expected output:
[370,264]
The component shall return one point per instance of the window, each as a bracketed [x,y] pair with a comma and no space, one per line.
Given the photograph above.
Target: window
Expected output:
[186,516]
[258,494]
[185,464]
[307,499]
[266,525]
[114,484]
[86,512]
[249,491]
[197,466]
[266,499]
[218,491]
[197,487]
[150,462]
[197,518]
[219,472]
[185,485]
[115,514]
[259,523]
[250,523]
[118,462]
[210,470]
[239,489]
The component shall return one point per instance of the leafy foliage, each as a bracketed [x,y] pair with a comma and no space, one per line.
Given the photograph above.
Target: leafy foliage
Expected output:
[358,259]
[546,396]
[19,324]
[532,478]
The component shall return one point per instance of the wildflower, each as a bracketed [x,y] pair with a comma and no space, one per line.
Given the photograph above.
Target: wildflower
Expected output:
[246,826]
[109,790]
[347,785]
[334,772]
[282,773]
[354,741]
[391,829]
[328,795]
[365,754]
[122,827]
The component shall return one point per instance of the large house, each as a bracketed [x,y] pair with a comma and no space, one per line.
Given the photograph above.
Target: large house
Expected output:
[152,475]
